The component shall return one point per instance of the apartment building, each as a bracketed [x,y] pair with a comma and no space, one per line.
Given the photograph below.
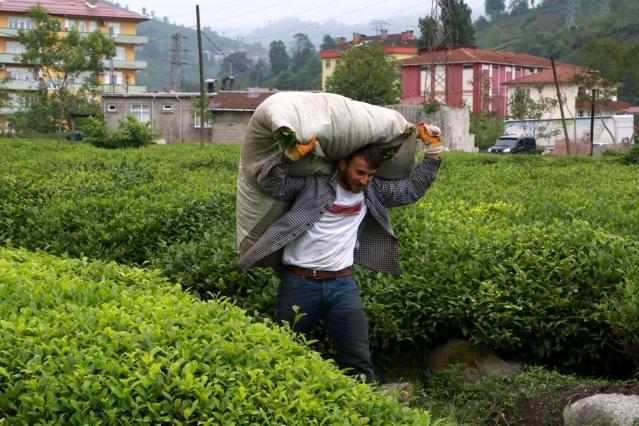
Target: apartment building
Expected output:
[117,74]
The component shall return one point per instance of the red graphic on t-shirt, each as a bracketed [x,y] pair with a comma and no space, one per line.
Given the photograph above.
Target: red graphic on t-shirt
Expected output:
[345,210]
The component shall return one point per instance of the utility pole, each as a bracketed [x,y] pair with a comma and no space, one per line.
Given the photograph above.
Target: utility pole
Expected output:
[202,88]
[176,62]
[592,119]
[561,105]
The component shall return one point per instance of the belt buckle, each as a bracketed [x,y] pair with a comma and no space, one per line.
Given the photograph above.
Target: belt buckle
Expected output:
[314,274]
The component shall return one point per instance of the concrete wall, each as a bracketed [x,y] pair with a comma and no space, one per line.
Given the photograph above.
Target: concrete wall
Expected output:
[230,126]
[454,122]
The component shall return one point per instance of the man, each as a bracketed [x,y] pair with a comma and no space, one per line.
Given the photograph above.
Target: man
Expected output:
[335,221]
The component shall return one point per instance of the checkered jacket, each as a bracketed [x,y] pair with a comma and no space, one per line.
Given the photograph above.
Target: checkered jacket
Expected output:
[311,196]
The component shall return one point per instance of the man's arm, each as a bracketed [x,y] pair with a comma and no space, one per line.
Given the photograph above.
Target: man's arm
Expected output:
[274,179]
[273,176]
[399,192]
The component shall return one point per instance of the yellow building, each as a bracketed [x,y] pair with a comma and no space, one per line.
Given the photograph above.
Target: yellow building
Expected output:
[116,75]
[398,46]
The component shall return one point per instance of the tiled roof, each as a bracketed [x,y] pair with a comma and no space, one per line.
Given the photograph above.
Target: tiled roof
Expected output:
[79,8]
[565,74]
[242,101]
[610,105]
[393,43]
[474,55]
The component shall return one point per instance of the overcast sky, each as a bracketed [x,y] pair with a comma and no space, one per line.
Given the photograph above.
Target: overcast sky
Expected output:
[241,16]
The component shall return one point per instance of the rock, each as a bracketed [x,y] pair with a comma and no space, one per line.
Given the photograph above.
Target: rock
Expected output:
[603,410]
[400,391]
[476,361]
[160,141]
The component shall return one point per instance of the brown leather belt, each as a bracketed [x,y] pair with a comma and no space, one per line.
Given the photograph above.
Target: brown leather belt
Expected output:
[319,275]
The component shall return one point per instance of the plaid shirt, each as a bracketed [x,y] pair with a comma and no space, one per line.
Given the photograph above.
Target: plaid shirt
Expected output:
[311,196]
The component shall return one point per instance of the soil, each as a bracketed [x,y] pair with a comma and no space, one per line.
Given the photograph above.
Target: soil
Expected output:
[547,409]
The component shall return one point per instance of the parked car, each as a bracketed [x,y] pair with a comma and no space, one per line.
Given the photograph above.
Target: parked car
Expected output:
[514,145]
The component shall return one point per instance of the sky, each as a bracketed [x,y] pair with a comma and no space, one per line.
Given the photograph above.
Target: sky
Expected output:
[241,16]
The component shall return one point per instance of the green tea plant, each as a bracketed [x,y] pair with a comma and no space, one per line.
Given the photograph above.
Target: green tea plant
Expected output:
[131,133]
[524,254]
[97,343]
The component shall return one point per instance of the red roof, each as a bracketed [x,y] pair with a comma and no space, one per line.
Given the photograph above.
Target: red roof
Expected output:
[76,8]
[565,74]
[610,105]
[402,43]
[465,55]
[243,101]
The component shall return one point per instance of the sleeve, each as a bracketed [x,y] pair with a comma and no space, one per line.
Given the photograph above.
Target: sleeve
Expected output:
[274,179]
[399,192]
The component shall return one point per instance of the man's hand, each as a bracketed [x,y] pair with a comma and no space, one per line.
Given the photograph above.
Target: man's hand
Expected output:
[299,150]
[431,135]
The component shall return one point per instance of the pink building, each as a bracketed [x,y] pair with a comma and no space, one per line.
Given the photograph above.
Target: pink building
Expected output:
[466,76]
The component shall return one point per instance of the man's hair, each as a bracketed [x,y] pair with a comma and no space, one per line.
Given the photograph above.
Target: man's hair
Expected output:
[370,153]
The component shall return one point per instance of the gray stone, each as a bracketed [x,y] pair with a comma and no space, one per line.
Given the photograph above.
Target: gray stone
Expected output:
[603,410]
[476,361]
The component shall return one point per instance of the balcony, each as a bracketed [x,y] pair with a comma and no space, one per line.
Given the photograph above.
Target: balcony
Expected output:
[9,58]
[131,39]
[21,85]
[8,32]
[120,64]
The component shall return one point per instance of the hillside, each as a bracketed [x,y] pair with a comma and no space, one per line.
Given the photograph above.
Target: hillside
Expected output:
[548,30]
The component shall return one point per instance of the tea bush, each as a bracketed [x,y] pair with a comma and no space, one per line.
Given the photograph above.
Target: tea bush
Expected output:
[96,343]
[526,254]
[131,133]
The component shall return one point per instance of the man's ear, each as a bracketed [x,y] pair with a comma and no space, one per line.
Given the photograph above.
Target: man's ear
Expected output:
[342,164]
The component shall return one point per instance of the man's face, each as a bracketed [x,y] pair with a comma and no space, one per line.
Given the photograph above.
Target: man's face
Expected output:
[355,174]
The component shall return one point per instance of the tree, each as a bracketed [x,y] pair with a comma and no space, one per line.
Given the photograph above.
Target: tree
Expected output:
[429,29]
[258,73]
[522,107]
[494,8]
[63,59]
[366,75]
[328,43]
[457,22]
[518,6]
[235,65]
[616,63]
[280,61]
[303,52]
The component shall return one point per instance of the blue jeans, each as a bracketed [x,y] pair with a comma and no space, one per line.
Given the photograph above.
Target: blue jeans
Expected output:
[338,303]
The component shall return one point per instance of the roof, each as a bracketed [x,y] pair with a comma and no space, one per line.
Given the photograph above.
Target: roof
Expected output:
[565,74]
[471,54]
[632,110]
[151,95]
[610,105]
[80,8]
[393,43]
[238,101]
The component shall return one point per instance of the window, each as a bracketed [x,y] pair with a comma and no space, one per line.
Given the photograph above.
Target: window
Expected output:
[82,27]
[327,64]
[338,62]
[114,28]
[207,125]
[92,26]
[141,111]
[120,53]
[167,107]
[118,77]
[18,73]
[111,108]
[82,77]
[69,24]
[21,23]
[14,47]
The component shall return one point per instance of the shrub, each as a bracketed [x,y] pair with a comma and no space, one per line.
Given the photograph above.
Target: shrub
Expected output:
[487,129]
[131,133]
[632,156]
[96,343]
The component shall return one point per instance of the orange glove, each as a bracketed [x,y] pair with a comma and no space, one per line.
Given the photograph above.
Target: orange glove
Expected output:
[431,136]
[299,150]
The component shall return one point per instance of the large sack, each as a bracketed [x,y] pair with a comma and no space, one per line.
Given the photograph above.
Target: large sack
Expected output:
[341,126]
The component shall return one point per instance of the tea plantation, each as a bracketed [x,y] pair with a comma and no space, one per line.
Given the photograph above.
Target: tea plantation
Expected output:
[529,255]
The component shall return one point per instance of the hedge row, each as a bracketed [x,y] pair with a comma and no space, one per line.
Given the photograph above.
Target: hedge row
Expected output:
[97,343]
[531,254]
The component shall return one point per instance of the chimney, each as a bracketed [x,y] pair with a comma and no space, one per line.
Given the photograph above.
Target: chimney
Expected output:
[342,41]
[357,37]
[91,3]
[384,34]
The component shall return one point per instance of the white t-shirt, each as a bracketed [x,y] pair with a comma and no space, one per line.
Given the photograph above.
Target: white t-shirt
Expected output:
[328,245]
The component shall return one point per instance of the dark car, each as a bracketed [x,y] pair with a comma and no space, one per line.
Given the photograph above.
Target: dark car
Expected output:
[514,145]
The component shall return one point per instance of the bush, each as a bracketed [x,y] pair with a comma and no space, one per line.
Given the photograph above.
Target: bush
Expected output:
[632,156]
[96,343]
[487,129]
[131,133]
[522,253]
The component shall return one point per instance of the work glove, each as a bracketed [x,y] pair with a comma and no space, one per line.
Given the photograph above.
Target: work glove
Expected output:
[431,136]
[299,150]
